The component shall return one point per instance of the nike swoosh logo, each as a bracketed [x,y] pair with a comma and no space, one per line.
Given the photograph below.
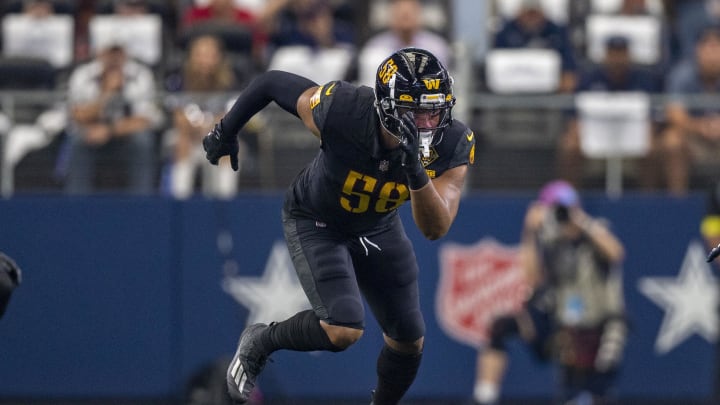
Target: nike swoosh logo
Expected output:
[470,136]
[329,89]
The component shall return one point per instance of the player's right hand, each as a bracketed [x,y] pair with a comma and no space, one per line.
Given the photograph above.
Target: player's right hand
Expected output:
[217,145]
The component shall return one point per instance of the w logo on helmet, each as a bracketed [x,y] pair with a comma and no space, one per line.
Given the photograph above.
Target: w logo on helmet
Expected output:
[432,84]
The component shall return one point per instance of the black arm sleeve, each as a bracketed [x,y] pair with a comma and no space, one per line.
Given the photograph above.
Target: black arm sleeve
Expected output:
[282,87]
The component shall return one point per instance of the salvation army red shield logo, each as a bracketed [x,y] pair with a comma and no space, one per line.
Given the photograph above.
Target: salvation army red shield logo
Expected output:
[477,284]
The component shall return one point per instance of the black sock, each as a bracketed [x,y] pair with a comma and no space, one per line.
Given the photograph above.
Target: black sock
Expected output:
[301,332]
[396,372]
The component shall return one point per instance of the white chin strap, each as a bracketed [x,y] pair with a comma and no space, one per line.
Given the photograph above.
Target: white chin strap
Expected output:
[425,140]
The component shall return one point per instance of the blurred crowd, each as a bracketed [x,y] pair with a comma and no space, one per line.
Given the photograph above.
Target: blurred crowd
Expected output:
[144,80]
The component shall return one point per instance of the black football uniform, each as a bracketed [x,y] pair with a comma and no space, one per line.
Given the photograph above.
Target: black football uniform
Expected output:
[343,206]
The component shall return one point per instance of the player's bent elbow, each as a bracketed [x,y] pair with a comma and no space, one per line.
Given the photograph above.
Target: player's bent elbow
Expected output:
[433,226]
[434,234]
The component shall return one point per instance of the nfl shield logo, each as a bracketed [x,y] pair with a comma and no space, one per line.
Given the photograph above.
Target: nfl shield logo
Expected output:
[478,283]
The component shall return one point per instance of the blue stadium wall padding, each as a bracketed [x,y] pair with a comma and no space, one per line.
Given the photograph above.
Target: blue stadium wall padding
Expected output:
[129,296]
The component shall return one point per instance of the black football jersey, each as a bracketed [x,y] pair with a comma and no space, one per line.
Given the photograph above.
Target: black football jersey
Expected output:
[354,184]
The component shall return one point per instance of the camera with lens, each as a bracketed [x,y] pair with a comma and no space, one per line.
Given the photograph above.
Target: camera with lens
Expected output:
[562,213]
[560,197]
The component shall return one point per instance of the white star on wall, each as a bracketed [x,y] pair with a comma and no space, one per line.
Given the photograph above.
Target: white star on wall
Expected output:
[275,296]
[689,301]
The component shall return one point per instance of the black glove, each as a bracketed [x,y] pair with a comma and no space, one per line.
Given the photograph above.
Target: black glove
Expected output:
[217,145]
[417,177]
[8,265]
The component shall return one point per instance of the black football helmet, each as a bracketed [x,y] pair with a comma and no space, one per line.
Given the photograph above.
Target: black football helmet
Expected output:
[414,79]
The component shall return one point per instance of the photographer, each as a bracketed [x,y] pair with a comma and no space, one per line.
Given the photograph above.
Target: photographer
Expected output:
[575,316]
[10,277]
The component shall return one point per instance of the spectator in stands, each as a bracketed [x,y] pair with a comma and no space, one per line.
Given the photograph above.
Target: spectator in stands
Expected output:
[532,29]
[616,73]
[130,7]
[688,17]
[113,116]
[194,111]
[640,8]
[575,316]
[309,41]
[229,13]
[38,8]
[692,134]
[406,29]
[311,23]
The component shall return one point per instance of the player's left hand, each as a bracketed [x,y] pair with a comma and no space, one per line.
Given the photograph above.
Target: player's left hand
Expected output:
[417,177]
[217,145]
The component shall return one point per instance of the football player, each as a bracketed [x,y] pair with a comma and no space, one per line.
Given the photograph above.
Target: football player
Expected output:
[379,149]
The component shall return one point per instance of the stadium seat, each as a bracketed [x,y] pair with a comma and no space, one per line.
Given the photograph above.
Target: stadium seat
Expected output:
[52,40]
[32,124]
[21,139]
[513,71]
[166,10]
[435,15]
[318,65]
[141,35]
[614,126]
[643,32]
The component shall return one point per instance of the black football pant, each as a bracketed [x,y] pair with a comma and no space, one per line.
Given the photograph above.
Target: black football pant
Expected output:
[336,270]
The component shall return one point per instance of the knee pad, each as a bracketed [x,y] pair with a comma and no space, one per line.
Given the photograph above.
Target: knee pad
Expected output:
[347,312]
[409,328]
